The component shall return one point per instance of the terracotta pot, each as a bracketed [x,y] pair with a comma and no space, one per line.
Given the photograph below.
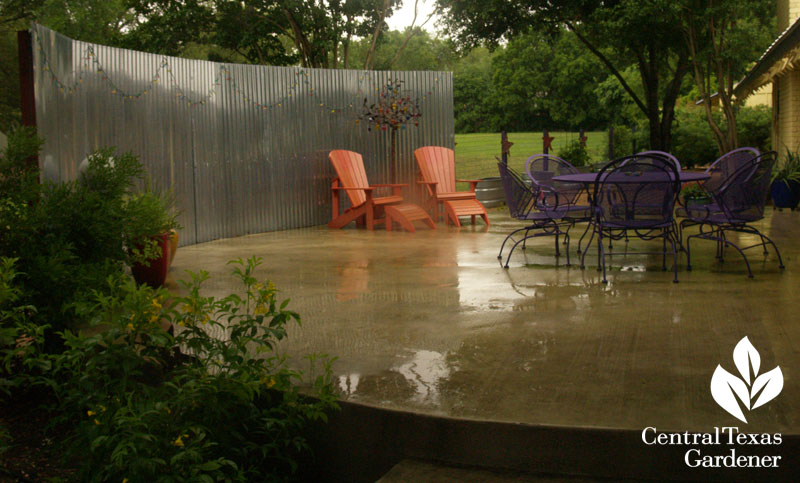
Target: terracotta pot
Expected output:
[173,244]
[154,272]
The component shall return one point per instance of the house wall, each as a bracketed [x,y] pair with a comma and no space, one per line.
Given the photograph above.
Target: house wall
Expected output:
[788,11]
[761,97]
[786,90]
[786,112]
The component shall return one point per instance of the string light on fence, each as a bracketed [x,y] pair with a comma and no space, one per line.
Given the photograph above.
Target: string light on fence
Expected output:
[90,63]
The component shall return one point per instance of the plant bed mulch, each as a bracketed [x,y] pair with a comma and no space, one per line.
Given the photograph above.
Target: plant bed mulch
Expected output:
[35,450]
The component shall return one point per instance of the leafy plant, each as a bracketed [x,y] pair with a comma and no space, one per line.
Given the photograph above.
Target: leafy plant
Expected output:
[754,127]
[575,153]
[694,191]
[787,169]
[148,214]
[68,238]
[20,341]
[213,401]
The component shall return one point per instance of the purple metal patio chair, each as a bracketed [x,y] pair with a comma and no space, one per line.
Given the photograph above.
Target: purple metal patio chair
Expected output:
[649,160]
[637,194]
[738,202]
[720,171]
[555,195]
[663,155]
[521,200]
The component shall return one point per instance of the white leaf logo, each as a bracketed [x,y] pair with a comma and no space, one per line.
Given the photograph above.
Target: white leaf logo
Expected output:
[726,388]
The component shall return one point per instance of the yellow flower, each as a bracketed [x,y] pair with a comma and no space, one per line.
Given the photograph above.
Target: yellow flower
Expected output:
[124,480]
[182,323]
[268,381]
[270,285]
[206,319]
[260,309]
[154,318]
[257,286]
[178,442]
[91,413]
[130,326]
[156,305]
[97,422]
[187,309]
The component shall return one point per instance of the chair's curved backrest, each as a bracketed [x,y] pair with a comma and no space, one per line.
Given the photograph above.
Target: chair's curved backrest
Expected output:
[541,168]
[743,194]
[663,155]
[437,163]
[637,191]
[727,164]
[519,197]
[349,168]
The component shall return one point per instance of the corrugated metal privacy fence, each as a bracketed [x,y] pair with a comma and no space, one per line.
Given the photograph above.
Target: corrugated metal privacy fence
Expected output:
[243,147]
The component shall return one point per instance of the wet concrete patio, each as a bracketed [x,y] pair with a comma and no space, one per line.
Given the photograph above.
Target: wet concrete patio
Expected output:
[431,323]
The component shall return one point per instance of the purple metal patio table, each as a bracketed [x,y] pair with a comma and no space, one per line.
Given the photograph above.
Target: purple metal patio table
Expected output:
[588,179]
[591,178]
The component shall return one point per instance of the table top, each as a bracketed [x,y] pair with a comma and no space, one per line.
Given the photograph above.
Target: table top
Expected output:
[588,178]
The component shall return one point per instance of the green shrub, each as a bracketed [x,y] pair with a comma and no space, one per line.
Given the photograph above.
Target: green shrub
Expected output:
[754,127]
[693,141]
[623,141]
[68,238]
[148,405]
[20,341]
[575,153]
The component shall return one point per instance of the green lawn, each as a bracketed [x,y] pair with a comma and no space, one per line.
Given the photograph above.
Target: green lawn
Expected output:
[475,153]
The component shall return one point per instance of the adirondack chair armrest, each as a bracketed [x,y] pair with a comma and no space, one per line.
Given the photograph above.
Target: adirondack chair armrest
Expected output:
[351,188]
[367,191]
[472,183]
[431,186]
[397,188]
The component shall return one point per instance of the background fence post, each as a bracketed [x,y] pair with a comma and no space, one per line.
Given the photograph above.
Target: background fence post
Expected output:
[547,142]
[505,147]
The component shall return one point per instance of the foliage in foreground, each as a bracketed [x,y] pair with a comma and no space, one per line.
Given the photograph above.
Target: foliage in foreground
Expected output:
[788,168]
[214,401]
[68,238]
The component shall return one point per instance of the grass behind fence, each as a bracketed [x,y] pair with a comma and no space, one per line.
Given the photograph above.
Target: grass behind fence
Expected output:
[475,153]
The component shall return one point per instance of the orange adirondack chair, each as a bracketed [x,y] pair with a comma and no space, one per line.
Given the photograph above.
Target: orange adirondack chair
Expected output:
[438,174]
[365,208]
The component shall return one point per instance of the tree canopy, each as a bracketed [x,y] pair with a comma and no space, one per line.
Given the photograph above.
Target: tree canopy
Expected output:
[663,39]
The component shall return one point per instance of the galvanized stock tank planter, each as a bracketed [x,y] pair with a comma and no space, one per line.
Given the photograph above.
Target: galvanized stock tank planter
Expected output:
[489,192]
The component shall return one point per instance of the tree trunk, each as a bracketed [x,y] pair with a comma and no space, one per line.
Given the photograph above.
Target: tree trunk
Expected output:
[370,60]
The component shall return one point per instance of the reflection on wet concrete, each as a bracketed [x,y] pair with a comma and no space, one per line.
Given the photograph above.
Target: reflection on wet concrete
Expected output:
[431,322]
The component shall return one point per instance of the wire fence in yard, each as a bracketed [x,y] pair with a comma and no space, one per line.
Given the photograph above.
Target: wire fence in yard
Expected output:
[475,153]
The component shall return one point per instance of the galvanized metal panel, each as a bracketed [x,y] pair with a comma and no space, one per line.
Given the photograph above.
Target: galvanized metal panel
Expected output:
[244,148]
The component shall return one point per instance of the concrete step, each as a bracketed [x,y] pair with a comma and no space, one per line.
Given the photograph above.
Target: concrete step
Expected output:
[432,472]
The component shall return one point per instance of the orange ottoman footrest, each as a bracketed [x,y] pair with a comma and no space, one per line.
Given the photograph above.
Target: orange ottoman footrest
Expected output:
[406,214]
[457,208]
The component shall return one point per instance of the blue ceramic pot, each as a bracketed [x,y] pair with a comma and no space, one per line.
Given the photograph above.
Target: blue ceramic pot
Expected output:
[785,195]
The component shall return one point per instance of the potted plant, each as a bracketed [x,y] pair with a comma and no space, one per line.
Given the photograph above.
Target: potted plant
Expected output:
[785,187]
[151,218]
[695,194]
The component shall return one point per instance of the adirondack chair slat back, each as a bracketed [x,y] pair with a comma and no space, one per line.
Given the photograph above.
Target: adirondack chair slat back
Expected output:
[437,163]
[349,167]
